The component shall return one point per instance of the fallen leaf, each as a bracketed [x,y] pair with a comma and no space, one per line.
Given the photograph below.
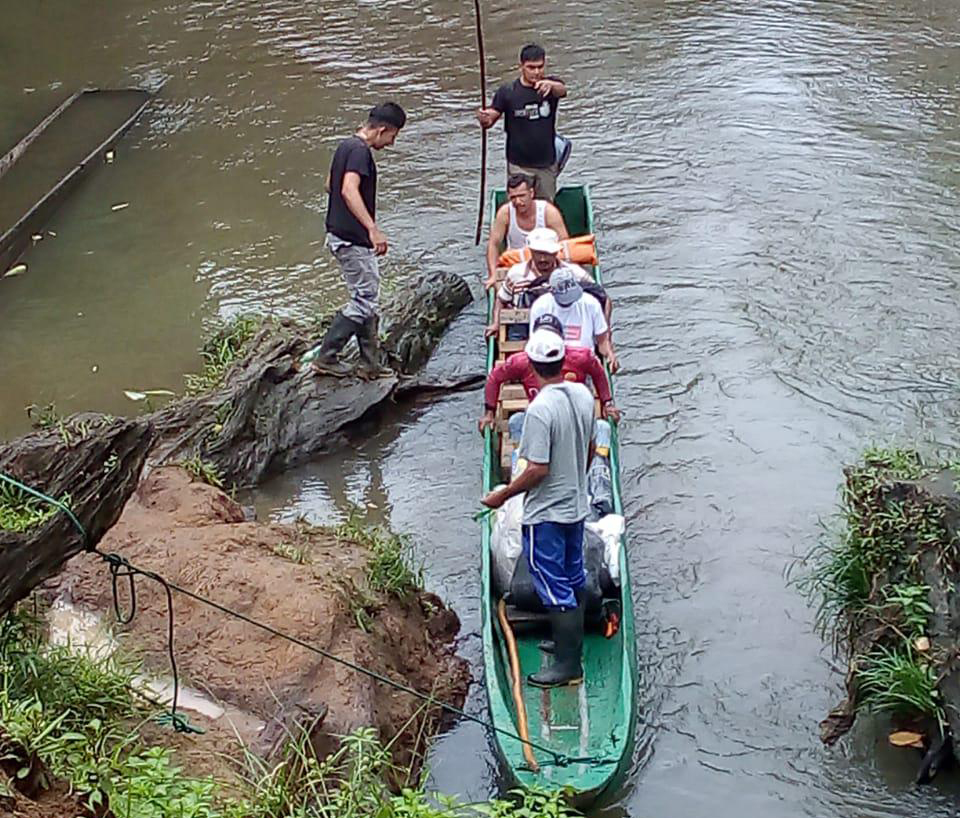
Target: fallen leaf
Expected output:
[121,206]
[149,393]
[51,233]
[37,236]
[17,269]
[906,738]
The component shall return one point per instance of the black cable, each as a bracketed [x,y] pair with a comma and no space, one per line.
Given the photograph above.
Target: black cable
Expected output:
[121,567]
[560,759]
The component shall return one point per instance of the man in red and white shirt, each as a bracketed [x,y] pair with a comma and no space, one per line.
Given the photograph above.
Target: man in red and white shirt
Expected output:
[578,365]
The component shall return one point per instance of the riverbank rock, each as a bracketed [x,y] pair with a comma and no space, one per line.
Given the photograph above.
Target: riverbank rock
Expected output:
[891,587]
[304,581]
[269,413]
[90,462]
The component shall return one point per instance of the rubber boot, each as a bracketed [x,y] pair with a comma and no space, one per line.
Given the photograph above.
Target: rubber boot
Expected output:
[568,636]
[341,330]
[371,363]
[548,645]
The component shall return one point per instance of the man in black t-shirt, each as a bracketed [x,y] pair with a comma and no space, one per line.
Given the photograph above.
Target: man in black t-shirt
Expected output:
[355,240]
[529,107]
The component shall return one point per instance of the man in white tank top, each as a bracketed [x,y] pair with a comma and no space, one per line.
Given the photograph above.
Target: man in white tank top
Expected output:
[516,218]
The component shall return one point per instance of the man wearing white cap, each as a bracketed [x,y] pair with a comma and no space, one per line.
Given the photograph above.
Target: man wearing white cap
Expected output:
[527,280]
[557,443]
[583,319]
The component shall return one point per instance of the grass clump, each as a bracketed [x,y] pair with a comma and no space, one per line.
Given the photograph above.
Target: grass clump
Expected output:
[74,718]
[897,680]
[868,583]
[224,348]
[203,471]
[20,512]
[389,567]
[349,783]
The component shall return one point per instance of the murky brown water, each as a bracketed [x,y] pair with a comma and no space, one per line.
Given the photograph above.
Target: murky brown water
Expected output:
[777,190]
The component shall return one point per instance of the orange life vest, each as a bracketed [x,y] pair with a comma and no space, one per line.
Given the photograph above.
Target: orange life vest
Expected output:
[579,250]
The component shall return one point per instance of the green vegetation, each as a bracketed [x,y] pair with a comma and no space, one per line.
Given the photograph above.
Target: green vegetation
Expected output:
[74,718]
[225,347]
[389,567]
[20,512]
[898,680]
[202,470]
[867,581]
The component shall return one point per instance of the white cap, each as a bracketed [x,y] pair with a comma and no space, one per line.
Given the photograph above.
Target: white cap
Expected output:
[544,346]
[543,240]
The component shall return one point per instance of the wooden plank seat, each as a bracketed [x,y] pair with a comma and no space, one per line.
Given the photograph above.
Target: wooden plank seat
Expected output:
[510,317]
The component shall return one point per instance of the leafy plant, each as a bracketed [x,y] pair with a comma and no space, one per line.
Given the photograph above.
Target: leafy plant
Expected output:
[912,603]
[224,348]
[19,511]
[203,470]
[896,680]
[389,564]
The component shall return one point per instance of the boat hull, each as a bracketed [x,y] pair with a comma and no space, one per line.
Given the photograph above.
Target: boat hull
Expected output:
[583,736]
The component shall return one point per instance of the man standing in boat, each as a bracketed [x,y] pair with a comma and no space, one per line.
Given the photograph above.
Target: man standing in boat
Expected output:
[516,218]
[557,444]
[356,241]
[529,105]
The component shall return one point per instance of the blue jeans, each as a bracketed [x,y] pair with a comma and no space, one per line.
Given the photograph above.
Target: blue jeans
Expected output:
[518,332]
[554,552]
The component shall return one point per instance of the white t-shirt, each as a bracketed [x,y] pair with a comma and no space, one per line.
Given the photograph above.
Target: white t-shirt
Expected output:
[582,321]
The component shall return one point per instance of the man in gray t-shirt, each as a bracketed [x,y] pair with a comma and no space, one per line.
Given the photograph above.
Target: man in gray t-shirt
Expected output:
[557,443]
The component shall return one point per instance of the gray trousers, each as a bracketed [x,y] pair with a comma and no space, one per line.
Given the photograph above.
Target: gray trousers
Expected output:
[546,179]
[361,274]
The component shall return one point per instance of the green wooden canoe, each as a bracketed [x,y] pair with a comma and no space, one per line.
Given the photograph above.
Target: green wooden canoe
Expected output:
[591,726]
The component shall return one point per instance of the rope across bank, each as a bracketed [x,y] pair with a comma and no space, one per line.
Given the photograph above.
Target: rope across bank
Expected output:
[121,568]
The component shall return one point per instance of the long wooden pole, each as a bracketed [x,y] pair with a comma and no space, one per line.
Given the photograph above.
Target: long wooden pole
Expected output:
[517,686]
[483,104]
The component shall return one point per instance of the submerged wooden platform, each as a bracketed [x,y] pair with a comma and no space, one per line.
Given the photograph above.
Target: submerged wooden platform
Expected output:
[42,168]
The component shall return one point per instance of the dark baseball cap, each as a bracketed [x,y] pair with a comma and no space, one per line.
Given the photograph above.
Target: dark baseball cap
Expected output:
[548,321]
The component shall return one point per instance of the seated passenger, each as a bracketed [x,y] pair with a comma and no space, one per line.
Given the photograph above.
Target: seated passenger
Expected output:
[580,314]
[527,280]
[516,218]
[578,364]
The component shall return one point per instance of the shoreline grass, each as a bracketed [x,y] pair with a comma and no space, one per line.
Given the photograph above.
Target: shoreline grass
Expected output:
[868,587]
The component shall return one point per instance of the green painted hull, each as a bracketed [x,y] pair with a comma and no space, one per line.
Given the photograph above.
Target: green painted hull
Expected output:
[595,720]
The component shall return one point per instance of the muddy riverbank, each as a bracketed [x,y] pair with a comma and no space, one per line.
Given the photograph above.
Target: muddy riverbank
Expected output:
[314,584]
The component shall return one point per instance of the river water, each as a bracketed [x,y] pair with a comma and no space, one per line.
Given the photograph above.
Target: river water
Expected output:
[776,186]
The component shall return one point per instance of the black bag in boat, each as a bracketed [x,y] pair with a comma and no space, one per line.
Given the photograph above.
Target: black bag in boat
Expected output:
[524,595]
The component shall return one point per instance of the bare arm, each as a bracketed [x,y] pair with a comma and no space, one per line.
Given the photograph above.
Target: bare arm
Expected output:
[497,234]
[350,190]
[551,87]
[531,476]
[605,345]
[554,219]
[487,117]
[494,326]
[326,184]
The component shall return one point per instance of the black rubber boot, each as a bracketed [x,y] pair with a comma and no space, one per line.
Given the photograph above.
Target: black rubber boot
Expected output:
[341,330]
[371,362]
[568,636]
[548,645]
